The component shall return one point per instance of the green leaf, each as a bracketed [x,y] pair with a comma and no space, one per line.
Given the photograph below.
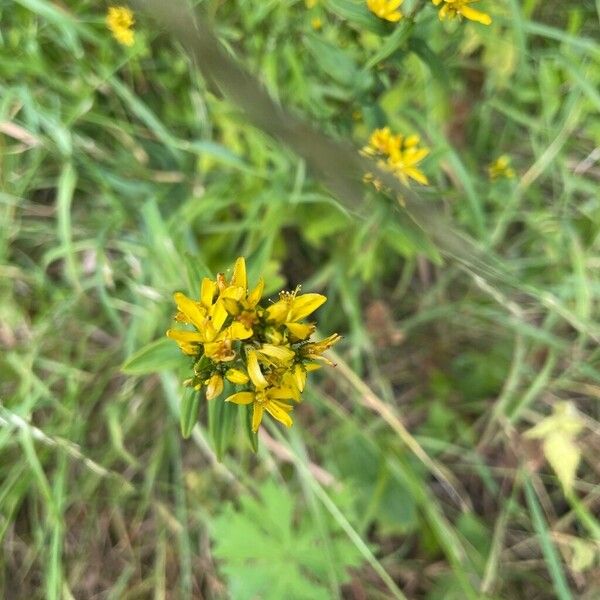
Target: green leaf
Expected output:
[221,421]
[271,550]
[188,415]
[337,63]
[357,14]
[437,67]
[392,42]
[161,355]
[247,417]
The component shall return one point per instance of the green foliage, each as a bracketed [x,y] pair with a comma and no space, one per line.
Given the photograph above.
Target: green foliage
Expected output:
[125,176]
[271,549]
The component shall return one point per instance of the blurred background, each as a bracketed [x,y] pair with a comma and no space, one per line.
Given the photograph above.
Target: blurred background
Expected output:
[451,454]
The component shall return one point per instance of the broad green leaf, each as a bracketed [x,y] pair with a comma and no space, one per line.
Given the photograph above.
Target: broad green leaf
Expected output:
[271,550]
[161,355]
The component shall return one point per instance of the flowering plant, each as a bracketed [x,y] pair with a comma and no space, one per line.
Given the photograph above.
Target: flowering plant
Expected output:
[265,351]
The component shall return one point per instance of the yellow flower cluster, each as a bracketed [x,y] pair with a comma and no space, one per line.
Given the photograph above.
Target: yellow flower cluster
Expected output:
[398,154]
[386,9]
[120,21]
[500,168]
[266,351]
[460,8]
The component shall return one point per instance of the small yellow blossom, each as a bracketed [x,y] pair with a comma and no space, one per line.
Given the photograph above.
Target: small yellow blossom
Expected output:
[310,3]
[460,8]
[291,308]
[398,154]
[234,341]
[264,397]
[316,23]
[386,9]
[120,21]
[500,168]
[214,386]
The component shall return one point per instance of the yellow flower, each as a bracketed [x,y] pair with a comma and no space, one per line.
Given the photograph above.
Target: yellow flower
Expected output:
[386,9]
[404,156]
[398,154]
[264,397]
[208,322]
[120,21]
[460,8]
[291,308]
[501,168]
[316,23]
[265,350]
[314,350]
[238,302]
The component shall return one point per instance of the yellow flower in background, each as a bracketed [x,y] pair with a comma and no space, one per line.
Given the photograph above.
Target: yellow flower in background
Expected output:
[460,8]
[398,154]
[235,341]
[120,21]
[500,168]
[386,9]
[316,23]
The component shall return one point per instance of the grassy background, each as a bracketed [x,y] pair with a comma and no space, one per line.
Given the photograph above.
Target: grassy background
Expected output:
[124,177]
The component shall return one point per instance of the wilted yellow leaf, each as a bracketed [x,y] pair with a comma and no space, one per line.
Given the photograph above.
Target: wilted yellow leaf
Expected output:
[558,433]
[585,554]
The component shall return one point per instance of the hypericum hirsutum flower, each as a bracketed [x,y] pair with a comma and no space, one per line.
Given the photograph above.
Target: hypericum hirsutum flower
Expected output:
[500,168]
[120,21]
[398,154]
[460,8]
[265,352]
[386,9]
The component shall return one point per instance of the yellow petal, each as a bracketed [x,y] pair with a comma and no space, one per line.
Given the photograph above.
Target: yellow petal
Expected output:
[190,309]
[232,306]
[283,392]
[180,335]
[304,305]
[208,289]
[475,15]
[258,379]
[417,175]
[301,331]
[237,331]
[300,377]
[214,386]
[236,376]
[257,415]
[278,312]
[239,273]
[218,315]
[276,410]
[241,398]
[281,355]
[256,294]
[233,291]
